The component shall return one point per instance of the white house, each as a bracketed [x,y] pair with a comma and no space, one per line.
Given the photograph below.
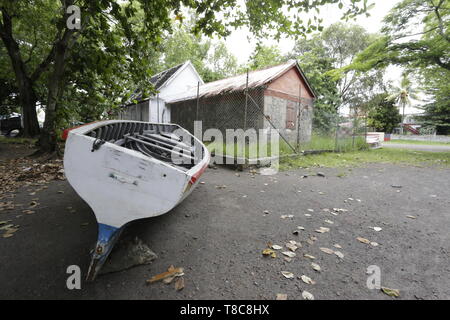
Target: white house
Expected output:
[168,83]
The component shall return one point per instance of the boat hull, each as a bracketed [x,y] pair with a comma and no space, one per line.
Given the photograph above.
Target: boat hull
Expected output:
[123,185]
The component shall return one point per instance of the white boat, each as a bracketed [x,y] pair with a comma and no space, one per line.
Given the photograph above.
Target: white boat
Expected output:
[129,170]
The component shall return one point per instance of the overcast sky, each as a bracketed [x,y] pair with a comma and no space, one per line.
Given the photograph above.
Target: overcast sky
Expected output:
[241,43]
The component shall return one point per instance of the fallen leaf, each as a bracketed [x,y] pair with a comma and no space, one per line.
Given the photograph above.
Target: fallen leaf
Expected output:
[374,244]
[291,246]
[329,221]
[289,254]
[168,280]
[307,280]
[269,252]
[287,274]
[307,215]
[307,296]
[316,267]
[171,272]
[322,230]
[411,217]
[337,246]
[339,254]
[326,250]
[377,229]
[311,210]
[179,284]
[309,256]
[363,240]
[281,296]
[276,247]
[300,228]
[391,292]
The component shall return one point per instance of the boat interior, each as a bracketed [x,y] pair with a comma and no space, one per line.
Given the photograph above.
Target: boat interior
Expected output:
[153,140]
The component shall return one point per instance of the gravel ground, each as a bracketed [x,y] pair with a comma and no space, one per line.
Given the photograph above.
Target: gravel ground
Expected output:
[217,236]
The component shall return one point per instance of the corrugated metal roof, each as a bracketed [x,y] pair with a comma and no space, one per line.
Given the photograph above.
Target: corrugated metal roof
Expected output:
[158,80]
[256,79]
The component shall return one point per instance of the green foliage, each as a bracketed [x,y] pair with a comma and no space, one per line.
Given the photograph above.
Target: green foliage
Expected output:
[425,53]
[323,59]
[383,115]
[212,60]
[264,56]
[87,72]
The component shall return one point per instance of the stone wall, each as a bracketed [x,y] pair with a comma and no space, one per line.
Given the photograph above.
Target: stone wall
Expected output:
[276,108]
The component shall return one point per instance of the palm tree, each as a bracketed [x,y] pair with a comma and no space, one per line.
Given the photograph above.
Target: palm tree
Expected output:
[402,96]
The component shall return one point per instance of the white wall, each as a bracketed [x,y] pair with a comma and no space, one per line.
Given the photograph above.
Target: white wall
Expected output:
[184,80]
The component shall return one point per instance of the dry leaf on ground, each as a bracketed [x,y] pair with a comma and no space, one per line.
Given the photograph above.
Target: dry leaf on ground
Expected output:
[322,230]
[391,292]
[326,250]
[363,240]
[269,252]
[281,296]
[179,284]
[287,274]
[307,280]
[307,296]
[316,267]
[289,254]
[171,272]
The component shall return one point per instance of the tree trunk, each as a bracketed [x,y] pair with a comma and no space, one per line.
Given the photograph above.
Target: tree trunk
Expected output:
[48,137]
[24,83]
[29,115]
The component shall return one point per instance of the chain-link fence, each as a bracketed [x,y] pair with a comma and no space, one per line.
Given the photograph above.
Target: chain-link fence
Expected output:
[301,127]
[337,132]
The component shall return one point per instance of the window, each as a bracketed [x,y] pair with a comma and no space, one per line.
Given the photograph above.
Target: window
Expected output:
[290,115]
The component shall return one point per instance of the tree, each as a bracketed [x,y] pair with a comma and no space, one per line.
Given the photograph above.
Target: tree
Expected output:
[211,59]
[416,36]
[314,61]
[383,115]
[98,17]
[263,56]
[436,83]
[402,96]
[26,43]
[323,57]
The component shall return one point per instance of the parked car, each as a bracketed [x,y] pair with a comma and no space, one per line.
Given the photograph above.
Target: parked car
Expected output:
[10,123]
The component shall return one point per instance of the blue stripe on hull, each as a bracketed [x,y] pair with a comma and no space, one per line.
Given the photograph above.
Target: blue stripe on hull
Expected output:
[105,232]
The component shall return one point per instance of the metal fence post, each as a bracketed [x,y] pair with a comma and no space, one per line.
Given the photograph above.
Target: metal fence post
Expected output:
[299,115]
[246,103]
[353,129]
[337,130]
[198,99]
[157,107]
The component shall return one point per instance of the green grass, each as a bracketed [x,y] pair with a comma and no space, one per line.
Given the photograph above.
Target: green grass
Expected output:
[316,143]
[329,143]
[419,142]
[13,140]
[360,158]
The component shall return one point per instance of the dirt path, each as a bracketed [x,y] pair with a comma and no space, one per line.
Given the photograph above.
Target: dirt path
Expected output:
[217,236]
